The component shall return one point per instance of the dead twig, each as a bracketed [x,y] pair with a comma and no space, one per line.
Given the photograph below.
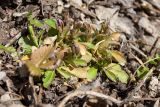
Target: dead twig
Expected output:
[139,60]
[34,96]
[154,45]
[14,39]
[100,95]
[76,93]
[138,99]
[41,1]
[138,50]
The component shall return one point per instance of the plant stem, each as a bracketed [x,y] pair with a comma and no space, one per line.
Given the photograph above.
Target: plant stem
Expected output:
[32,35]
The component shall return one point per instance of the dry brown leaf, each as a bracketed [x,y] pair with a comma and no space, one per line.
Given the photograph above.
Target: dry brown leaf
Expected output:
[50,40]
[61,53]
[119,57]
[80,72]
[34,71]
[40,55]
[82,48]
[115,36]
[47,65]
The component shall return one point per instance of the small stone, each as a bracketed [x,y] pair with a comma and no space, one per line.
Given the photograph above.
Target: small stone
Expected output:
[122,24]
[78,2]
[147,25]
[2,75]
[5,98]
[153,87]
[60,6]
[13,32]
[156,3]
[105,13]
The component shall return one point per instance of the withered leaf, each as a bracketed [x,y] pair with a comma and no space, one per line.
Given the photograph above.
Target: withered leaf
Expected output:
[119,57]
[80,72]
[40,55]
[82,48]
[47,65]
[34,71]
[115,36]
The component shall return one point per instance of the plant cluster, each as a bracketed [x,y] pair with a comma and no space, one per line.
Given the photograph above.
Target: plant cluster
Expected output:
[72,49]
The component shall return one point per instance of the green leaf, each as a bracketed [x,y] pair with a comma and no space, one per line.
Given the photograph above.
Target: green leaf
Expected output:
[115,73]
[92,73]
[48,78]
[142,71]
[32,35]
[51,23]
[89,45]
[80,62]
[26,45]
[111,76]
[52,32]
[64,72]
[7,49]
[36,23]
[153,62]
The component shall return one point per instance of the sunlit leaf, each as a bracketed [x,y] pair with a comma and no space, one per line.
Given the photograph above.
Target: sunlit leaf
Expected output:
[89,45]
[51,23]
[11,50]
[36,23]
[80,62]
[41,54]
[32,35]
[103,45]
[97,45]
[116,73]
[82,48]
[92,73]
[142,71]
[64,72]
[50,40]
[119,57]
[26,45]
[48,78]
[153,62]
[80,72]
[7,49]
[115,36]
[111,76]
[62,52]
[87,57]
[24,58]
[34,71]
[47,64]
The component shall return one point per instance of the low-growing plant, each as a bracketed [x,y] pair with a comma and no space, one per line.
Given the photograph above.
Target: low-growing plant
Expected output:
[73,49]
[144,69]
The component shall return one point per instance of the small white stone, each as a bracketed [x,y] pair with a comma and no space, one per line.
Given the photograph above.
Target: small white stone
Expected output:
[5,98]
[78,2]
[2,75]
